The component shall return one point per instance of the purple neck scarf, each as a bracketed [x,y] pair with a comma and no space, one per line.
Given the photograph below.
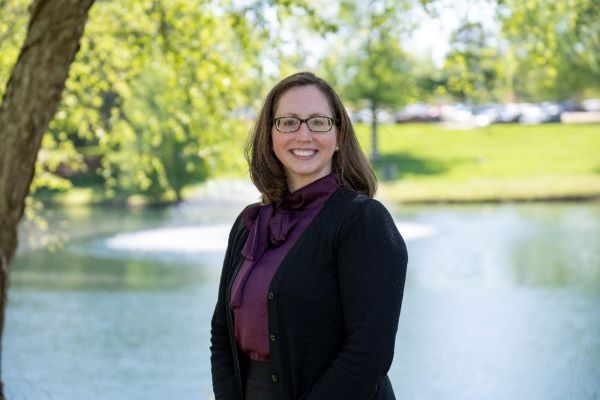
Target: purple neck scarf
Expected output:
[270,224]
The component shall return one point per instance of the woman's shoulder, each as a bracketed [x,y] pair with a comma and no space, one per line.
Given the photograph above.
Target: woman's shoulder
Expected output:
[354,202]
[239,227]
[350,209]
[367,216]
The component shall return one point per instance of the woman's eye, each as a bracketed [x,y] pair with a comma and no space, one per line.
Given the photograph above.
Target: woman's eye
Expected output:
[289,122]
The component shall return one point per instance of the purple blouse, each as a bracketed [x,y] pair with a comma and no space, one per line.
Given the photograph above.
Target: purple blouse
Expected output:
[274,228]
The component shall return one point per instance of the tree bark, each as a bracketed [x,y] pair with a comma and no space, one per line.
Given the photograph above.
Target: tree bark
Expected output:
[374,146]
[31,98]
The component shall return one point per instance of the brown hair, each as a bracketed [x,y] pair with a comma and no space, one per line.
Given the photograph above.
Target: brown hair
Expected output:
[266,171]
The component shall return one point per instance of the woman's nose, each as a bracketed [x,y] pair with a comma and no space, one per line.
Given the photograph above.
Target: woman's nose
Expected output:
[304,133]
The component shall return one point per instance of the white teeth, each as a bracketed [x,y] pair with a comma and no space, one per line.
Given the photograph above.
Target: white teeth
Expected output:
[303,153]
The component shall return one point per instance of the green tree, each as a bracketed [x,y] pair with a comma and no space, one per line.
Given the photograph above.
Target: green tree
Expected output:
[554,47]
[153,90]
[13,26]
[370,66]
[472,66]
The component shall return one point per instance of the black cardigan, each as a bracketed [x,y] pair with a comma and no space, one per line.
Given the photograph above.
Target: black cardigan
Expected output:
[334,305]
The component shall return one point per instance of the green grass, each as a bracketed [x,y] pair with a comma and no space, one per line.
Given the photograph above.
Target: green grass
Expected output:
[495,163]
[436,164]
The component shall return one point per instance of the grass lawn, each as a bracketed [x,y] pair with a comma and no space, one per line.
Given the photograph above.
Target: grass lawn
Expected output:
[432,163]
[496,163]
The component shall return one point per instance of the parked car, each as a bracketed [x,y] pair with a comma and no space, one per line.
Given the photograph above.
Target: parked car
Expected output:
[487,114]
[459,113]
[570,106]
[362,116]
[539,113]
[553,111]
[509,112]
[532,114]
[418,112]
[365,116]
[592,105]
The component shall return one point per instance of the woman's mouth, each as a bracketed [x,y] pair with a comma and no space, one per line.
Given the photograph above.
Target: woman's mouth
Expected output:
[303,153]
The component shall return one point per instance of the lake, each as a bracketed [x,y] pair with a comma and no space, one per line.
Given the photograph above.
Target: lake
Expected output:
[501,301]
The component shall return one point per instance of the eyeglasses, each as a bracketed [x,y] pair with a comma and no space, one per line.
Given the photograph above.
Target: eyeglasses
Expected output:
[292,124]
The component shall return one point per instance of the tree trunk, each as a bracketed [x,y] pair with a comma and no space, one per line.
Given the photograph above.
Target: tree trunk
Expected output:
[374,148]
[30,101]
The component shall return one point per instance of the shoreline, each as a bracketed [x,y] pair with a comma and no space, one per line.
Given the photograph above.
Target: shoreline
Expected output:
[240,191]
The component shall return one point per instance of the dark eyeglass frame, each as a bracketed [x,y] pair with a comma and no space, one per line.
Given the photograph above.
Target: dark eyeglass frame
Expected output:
[306,120]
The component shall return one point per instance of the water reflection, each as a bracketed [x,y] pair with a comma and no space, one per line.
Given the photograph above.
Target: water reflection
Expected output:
[501,302]
[509,245]
[202,239]
[80,272]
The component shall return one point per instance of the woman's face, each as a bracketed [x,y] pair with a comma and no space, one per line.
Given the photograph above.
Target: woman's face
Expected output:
[305,155]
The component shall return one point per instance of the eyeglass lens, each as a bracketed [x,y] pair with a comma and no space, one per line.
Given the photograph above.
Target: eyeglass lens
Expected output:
[292,124]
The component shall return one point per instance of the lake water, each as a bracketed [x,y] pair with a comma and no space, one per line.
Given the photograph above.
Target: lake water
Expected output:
[501,302]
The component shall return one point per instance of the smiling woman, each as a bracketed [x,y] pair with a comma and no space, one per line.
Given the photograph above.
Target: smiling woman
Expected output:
[313,276]
[302,145]
[305,94]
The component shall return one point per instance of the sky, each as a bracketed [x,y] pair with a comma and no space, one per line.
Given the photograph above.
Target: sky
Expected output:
[429,41]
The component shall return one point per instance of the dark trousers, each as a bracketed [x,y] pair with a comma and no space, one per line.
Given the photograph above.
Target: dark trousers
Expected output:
[258,381]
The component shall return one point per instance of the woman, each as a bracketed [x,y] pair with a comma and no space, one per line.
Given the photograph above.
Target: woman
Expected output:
[313,276]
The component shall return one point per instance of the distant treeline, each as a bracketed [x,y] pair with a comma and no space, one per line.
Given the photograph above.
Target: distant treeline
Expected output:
[156,97]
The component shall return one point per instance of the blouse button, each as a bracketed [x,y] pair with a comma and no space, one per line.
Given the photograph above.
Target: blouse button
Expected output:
[271,295]
[273,338]
[274,377]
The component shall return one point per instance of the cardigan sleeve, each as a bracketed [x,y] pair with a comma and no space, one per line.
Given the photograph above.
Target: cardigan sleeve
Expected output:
[225,386]
[372,260]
